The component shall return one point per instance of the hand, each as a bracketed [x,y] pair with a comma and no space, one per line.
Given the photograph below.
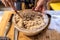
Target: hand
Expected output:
[7,2]
[40,6]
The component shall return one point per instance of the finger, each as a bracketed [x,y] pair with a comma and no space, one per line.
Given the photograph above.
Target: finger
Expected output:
[40,9]
[11,5]
[39,3]
[7,5]
[12,2]
[37,6]
[4,2]
[33,8]
[43,9]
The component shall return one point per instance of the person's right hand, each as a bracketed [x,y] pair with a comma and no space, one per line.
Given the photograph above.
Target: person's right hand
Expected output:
[40,7]
[7,2]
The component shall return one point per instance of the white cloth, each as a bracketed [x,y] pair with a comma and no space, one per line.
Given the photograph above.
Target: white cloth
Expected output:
[55,20]
[1,13]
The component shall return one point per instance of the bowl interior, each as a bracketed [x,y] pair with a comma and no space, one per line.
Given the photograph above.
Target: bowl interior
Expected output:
[46,20]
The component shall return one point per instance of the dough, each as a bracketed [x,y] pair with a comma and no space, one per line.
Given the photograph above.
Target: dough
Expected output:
[31,20]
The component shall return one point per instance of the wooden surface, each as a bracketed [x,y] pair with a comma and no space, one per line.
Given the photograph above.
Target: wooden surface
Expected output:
[44,35]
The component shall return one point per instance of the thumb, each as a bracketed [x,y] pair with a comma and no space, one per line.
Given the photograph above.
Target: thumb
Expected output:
[38,5]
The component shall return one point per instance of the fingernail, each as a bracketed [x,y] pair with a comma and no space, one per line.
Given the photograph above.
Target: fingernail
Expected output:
[35,8]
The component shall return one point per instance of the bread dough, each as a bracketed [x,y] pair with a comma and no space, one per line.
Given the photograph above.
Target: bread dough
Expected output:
[31,20]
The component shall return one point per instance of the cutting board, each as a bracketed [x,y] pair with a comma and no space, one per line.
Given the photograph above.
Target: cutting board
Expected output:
[46,34]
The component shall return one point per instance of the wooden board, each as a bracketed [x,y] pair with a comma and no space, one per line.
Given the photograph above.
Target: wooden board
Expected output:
[44,35]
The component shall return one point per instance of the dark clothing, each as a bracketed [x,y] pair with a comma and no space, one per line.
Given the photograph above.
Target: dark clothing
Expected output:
[27,2]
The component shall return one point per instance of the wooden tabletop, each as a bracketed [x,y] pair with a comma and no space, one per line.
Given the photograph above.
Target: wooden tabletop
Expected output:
[44,35]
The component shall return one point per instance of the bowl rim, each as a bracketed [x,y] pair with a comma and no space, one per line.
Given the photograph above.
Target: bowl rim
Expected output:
[30,31]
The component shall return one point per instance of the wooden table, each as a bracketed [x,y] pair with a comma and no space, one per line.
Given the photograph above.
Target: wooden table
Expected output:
[44,35]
